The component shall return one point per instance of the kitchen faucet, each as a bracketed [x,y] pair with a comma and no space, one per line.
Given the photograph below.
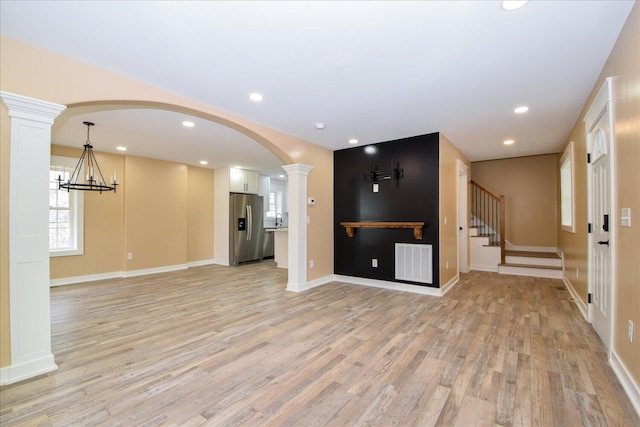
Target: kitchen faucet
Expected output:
[278,215]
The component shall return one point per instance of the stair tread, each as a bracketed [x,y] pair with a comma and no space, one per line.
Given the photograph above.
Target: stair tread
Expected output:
[532,254]
[546,267]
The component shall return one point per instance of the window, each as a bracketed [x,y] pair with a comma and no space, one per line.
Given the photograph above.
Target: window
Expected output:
[275,204]
[566,190]
[66,211]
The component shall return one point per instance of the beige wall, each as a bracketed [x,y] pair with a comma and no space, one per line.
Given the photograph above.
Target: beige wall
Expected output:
[44,75]
[155,213]
[162,212]
[448,190]
[200,214]
[530,187]
[624,64]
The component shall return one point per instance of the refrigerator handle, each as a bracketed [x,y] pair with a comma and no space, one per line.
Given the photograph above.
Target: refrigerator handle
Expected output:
[249,222]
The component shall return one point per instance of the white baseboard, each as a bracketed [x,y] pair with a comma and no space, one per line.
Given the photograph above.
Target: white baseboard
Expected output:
[14,373]
[628,384]
[165,269]
[576,298]
[447,286]
[201,263]
[489,268]
[310,284]
[119,274]
[88,278]
[404,287]
[511,247]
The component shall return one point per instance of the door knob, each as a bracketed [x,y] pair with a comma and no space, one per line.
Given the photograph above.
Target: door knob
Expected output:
[603,242]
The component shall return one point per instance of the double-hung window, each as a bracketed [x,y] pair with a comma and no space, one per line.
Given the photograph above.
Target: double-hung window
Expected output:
[66,211]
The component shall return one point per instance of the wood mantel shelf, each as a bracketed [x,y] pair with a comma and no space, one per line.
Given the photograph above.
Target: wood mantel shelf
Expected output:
[351,226]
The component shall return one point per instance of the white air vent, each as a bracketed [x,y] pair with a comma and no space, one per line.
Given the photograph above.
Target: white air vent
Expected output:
[413,262]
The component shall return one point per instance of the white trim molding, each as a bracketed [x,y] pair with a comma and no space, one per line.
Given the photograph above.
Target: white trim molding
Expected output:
[394,286]
[29,298]
[574,295]
[628,384]
[88,278]
[297,262]
[155,270]
[201,262]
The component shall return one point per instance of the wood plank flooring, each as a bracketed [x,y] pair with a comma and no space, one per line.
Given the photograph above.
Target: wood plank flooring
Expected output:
[225,346]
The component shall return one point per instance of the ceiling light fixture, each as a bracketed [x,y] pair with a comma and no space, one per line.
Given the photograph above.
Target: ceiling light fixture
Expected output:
[510,5]
[353,141]
[94,179]
[521,109]
[256,97]
[508,142]
[121,148]
[320,126]
[188,124]
[204,162]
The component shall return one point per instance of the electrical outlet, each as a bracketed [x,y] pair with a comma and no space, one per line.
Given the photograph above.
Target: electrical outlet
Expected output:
[445,220]
[631,331]
[376,188]
[577,273]
[446,265]
[310,263]
[374,263]
[130,255]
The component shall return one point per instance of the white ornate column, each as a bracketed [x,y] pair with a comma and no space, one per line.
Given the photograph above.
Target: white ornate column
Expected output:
[29,300]
[297,174]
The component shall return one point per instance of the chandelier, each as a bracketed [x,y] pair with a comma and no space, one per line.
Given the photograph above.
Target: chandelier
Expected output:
[94,180]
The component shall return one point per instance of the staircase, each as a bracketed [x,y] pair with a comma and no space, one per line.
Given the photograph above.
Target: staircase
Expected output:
[488,245]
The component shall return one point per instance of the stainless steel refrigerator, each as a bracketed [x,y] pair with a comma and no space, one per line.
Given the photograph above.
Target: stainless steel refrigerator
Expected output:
[246,216]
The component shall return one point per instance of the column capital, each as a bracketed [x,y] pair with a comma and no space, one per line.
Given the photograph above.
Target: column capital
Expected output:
[297,169]
[23,107]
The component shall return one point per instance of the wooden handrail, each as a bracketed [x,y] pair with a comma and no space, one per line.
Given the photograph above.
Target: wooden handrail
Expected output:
[417,226]
[485,190]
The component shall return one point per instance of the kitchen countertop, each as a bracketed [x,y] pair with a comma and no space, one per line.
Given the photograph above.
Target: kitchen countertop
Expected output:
[276,229]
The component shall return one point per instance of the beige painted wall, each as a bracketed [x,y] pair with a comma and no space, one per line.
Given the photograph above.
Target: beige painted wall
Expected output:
[530,187]
[155,213]
[44,75]
[103,225]
[153,195]
[448,189]
[624,64]
[200,215]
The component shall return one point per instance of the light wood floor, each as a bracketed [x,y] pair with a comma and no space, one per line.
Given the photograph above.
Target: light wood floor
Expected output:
[229,346]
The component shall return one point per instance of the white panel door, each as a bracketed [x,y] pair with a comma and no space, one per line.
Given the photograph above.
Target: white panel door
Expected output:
[600,202]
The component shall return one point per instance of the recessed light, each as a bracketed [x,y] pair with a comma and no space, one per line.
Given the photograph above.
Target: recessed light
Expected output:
[256,97]
[521,109]
[510,5]
[320,126]
[121,148]
[508,142]
[370,149]
[188,124]
[204,162]
[353,141]
[280,176]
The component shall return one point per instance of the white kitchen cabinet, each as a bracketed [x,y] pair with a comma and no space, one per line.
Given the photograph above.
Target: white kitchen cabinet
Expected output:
[242,181]
[264,186]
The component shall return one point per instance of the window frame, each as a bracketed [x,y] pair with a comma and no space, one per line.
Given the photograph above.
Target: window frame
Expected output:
[567,190]
[76,210]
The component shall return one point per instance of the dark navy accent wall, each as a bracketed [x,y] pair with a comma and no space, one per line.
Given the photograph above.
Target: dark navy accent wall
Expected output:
[412,198]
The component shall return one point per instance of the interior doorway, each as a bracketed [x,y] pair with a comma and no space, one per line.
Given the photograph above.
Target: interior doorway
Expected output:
[463,217]
[600,144]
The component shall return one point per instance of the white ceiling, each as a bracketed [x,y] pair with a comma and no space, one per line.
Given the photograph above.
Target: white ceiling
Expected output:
[371,70]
